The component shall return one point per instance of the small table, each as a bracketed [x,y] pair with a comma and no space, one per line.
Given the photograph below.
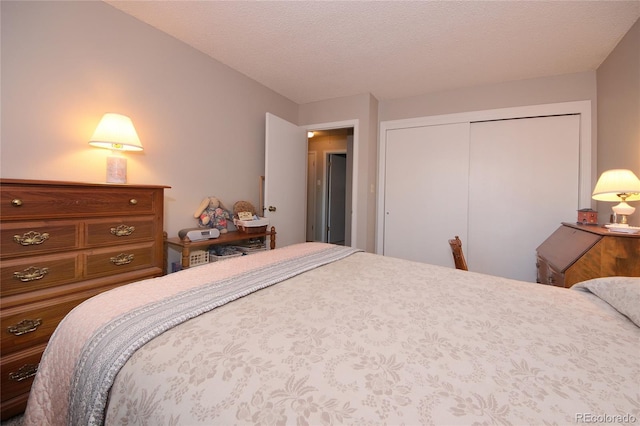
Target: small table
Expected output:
[185,245]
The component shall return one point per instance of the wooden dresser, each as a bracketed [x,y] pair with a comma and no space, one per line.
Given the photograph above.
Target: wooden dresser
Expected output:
[61,243]
[575,253]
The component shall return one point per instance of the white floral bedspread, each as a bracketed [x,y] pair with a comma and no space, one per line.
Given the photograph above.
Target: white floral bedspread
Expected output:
[375,340]
[368,340]
[73,343]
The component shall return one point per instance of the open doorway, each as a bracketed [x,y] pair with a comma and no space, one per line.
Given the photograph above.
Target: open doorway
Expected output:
[330,186]
[336,197]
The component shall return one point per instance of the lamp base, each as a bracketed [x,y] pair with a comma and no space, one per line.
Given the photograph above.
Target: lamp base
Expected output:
[623,210]
[116,169]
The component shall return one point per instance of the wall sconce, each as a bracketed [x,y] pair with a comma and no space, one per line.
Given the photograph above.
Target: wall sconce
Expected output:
[618,185]
[310,134]
[116,132]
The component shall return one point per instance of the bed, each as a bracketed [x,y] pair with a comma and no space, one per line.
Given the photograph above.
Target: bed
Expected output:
[317,334]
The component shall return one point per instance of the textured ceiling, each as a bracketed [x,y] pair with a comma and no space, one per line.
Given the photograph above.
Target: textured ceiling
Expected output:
[314,50]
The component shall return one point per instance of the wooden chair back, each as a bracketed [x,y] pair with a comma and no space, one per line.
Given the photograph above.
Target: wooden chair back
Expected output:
[458,255]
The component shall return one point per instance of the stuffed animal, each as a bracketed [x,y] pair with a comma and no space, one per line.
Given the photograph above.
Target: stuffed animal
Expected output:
[212,214]
[243,206]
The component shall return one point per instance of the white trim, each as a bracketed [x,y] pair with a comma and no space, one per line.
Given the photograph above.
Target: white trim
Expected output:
[354,182]
[586,167]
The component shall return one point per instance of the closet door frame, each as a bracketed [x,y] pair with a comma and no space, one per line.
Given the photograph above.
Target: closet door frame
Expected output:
[587,168]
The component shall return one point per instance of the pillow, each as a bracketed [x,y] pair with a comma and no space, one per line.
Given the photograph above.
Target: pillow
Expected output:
[623,293]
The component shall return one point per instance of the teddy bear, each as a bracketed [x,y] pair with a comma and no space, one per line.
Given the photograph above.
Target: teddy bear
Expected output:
[212,214]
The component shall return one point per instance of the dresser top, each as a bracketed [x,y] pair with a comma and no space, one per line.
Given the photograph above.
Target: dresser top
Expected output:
[32,182]
[599,230]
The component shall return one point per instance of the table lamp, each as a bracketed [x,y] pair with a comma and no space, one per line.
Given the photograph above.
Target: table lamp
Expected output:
[116,132]
[618,185]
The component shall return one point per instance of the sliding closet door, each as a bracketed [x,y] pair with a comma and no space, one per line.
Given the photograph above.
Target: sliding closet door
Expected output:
[425,193]
[523,181]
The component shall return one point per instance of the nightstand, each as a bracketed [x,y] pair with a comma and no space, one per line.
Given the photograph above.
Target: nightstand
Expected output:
[185,245]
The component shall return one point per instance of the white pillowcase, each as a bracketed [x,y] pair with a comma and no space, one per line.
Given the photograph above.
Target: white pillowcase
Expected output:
[623,293]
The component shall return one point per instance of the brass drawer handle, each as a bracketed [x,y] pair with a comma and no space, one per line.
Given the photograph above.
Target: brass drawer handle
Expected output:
[32,273]
[16,202]
[25,372]
[24,327]
[122,259]
[123,230]
[31,238]
[133,201]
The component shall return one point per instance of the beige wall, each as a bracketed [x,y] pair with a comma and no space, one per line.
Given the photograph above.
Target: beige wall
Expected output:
[560,88]
[619,113]
[64,64]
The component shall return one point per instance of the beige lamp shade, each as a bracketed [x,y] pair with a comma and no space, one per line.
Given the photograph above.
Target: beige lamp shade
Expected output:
[617,184]
[116,131]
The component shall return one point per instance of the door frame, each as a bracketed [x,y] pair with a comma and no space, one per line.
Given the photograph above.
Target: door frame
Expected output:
[355,124]
[587,167]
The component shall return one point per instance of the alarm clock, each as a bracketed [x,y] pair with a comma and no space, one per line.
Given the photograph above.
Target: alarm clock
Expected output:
[199,234]
[587,217]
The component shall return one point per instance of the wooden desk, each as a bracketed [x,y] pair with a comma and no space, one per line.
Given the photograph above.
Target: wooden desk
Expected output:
[185,245]
[576,252]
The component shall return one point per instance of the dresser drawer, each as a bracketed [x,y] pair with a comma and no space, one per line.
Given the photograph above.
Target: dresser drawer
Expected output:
[36,273]
[549,275]
[101,263]
[119,231]
[18,371]
[556,278]
[18,202]
[542,271]
[28,238]
[33,324]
